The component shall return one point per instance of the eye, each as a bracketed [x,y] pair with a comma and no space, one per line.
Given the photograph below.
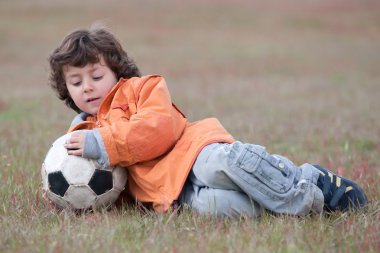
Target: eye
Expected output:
[76,84]
[97,78]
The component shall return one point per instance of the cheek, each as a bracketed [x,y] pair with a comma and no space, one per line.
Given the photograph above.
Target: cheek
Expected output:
[109,85]
[70,92]
[74,94]
[112,78]
[106,89]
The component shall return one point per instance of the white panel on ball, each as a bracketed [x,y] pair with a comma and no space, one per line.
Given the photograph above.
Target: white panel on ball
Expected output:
[58,200]
[80,196]
[107,198]
[54,159]
[78,170]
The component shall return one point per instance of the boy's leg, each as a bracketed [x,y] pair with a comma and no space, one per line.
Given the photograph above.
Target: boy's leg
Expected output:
[218,202]
[272,181]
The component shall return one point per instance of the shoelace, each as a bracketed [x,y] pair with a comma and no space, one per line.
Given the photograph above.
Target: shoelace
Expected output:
[333,196]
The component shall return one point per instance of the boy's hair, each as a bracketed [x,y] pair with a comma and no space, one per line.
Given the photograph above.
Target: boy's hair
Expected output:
[86,46]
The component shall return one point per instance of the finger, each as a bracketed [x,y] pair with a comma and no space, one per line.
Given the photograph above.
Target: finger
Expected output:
[77,135]
[77,152]
[72,146]
[72,141]
[76,139]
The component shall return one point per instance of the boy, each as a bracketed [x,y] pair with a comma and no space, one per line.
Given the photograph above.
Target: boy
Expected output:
[130,120]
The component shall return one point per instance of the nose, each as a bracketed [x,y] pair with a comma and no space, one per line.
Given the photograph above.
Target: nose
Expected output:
[87,85]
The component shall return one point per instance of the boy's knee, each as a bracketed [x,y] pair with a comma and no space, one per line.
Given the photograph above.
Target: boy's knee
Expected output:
[209,168]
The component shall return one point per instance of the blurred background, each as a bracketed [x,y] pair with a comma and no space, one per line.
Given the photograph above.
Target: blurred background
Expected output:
[301,77]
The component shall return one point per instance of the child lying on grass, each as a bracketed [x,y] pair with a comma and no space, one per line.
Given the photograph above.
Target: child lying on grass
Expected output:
[130,120]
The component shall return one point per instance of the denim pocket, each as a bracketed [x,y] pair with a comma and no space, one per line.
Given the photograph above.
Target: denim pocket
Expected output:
[267,168]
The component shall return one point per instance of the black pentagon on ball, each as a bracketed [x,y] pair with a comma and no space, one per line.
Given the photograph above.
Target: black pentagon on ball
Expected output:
[58,183]
[101,181]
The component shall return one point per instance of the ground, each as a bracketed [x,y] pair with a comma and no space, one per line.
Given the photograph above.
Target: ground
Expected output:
[300,78]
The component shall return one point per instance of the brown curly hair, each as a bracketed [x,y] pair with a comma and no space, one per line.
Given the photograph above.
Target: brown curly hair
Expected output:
[82,47]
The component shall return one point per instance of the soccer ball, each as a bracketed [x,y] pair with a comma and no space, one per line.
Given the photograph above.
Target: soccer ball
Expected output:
[74,182]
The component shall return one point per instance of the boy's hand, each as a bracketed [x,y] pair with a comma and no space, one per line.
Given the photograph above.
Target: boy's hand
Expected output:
[75,144]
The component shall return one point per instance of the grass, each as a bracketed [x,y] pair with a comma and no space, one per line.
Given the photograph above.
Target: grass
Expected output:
[300,78]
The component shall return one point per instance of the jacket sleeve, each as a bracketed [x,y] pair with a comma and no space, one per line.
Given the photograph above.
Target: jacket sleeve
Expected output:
[150,132]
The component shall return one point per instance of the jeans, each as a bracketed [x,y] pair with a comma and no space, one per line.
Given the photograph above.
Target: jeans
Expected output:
[242,179]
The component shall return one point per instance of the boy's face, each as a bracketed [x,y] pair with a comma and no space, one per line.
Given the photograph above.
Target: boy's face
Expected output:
[89,85]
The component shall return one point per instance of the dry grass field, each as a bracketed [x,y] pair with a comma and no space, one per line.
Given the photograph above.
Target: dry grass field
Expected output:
[299,77]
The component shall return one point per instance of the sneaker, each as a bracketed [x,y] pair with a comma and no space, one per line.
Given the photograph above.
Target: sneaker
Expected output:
[340,193]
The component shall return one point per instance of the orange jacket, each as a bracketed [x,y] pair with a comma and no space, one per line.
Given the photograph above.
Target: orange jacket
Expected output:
[143,131]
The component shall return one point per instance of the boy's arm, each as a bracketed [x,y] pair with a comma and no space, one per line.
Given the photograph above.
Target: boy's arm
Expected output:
[149,133]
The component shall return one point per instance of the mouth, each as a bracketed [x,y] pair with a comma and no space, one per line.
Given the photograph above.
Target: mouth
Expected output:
[92,100]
